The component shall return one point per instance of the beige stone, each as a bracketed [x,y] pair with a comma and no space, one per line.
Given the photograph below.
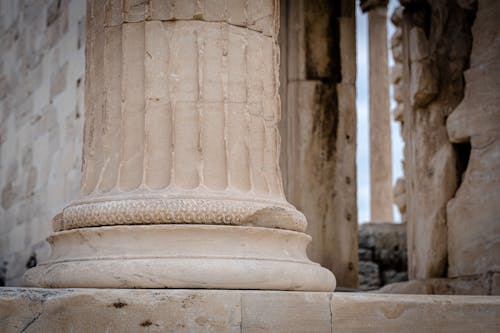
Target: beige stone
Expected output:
[381,198]
[72,310]
[286,312]
[433,65]
[112,310]
[412,313]
[190,129]
[396,73]
[152,256]
[181,143]
[318,128]
[398,113]
[470,285]
[400,196]
[473,228]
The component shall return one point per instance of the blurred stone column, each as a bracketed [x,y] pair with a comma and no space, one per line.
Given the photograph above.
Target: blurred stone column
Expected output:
[381,196]
[318,127]
[181,185]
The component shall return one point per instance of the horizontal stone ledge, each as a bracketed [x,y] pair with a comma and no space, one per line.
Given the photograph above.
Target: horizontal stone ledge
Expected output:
[183,310]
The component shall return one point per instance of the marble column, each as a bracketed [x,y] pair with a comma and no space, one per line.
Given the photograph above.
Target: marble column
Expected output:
[381,197]
[181,185]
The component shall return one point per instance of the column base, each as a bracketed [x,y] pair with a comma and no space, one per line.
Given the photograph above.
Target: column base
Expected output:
[180,256]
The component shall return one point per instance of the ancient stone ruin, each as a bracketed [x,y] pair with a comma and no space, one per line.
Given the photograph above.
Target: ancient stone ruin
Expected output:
[190,166]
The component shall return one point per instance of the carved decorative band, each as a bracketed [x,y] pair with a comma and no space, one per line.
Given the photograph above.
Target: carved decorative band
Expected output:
[180,211]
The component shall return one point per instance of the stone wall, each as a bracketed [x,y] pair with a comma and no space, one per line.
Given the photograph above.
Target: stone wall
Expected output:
[474,126]
[42,66]
[435,54]
[382,254]
[449,91]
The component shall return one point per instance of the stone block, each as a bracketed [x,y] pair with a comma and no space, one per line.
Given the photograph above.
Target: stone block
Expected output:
[156,310]
[285,312]
[369,275]
[412,313]
[120,311]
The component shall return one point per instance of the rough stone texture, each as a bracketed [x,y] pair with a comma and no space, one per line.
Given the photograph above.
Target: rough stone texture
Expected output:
[435,55]
[368,275]
[318,127]
[382,254]
[84,310]
[398,89]
[474,212]
[41,118]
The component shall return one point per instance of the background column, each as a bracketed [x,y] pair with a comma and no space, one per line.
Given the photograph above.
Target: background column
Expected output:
[381,196]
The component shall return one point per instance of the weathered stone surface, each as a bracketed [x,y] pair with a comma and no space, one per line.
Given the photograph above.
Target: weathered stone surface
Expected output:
[196,132]
[400,196]
[181,140]
[286,312]
[385,255]
[435,55]
[158,256]
[84,310]
[369,275]
[36,310]
[318,127]
[40,126]
[411,313]
[473,213]
[382,238]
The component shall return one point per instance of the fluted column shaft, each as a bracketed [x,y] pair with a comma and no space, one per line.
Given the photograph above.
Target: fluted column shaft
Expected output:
[182,112]
[181,186]
[381,197]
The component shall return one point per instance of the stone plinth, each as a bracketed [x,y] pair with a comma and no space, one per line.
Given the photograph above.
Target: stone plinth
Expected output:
[181,185]
[175,256]
[99,310]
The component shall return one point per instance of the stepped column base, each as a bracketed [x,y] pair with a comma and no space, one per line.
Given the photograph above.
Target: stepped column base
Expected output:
[180,256]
